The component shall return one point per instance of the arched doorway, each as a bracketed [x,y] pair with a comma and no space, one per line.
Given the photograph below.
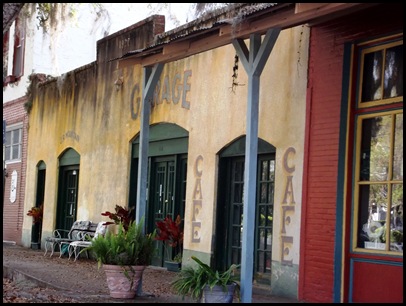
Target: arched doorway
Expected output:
[68,185]
[167,169]
[229,209]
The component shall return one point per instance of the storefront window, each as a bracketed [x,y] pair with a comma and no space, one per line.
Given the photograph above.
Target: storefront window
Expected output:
[380,184]
[378,189]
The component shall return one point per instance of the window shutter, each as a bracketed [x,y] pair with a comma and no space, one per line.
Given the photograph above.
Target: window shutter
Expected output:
[19,47]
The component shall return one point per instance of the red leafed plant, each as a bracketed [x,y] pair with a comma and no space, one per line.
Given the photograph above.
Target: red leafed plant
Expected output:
[122,215]
[170,233]
[36,214]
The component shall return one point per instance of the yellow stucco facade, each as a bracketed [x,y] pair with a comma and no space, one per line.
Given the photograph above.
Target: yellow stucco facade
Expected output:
[85,110]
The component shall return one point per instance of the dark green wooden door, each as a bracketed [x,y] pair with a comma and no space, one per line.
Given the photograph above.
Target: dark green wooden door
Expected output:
[166,196]
[67,203]
[230,215]
[166,183]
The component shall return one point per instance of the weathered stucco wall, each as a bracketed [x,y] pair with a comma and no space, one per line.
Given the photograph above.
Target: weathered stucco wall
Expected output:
[88,114]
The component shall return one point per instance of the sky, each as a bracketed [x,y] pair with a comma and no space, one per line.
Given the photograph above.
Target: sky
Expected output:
[125,14]
[76,43]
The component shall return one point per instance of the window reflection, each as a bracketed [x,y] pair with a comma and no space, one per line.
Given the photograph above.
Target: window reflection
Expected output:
[375,148]
[380,210]
[372,217]
[398,152]
[393,77]
[372,77]
[382,74]
[396,219]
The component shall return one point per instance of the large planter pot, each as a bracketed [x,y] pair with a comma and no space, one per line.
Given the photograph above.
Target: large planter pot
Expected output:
[123,281]
[218,295]
[173,266]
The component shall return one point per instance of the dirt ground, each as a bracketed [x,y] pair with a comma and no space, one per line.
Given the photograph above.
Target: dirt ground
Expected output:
[74,281]
[31,277]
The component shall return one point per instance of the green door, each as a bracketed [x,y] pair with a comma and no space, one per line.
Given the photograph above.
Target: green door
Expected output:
[163,189]
[166,182]
[229,226]
[67,203]
[166,196]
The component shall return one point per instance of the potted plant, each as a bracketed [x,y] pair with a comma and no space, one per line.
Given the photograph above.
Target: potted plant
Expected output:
[170,233]
[122,215]
[36,214]
[124,256]
[208,284]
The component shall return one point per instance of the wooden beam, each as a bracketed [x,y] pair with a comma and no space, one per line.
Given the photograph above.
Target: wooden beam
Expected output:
[303,7]
[288,18]
[223,35]
[178,47]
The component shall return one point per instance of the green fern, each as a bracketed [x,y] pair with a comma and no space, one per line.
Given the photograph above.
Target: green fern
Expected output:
[192,281]
[127,247]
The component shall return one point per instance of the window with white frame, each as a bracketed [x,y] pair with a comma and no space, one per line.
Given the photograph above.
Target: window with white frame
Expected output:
[13,143]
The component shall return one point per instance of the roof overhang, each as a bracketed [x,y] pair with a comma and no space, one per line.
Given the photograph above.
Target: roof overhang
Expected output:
[218,30]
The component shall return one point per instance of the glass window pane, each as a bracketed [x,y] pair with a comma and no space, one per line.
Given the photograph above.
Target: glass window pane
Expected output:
[236,236]
[396,219]
[269,216]
[264,168]
[239,171]
[269,199]
[393,77]
[272,171]
[262,216]
[263,191]
[8,157]
[268,240]
[238,193]
[375,148]
[237,214]
[372,215]
[398,151]
[15,152]
[8,138]
[16,136]
[372,77]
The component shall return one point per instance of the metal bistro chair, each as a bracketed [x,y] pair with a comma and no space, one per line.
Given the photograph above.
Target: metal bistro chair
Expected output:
[56,239]
[75,246]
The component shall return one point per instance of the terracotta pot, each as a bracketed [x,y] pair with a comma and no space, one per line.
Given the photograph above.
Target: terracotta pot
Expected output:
[123,281]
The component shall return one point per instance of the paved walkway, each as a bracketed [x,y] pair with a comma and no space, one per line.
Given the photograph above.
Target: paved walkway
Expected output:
[85,282]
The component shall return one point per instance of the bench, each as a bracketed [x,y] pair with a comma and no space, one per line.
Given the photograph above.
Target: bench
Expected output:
[75,233]
[75,247]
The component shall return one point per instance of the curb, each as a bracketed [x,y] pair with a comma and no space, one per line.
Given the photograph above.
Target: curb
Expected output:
[18,276]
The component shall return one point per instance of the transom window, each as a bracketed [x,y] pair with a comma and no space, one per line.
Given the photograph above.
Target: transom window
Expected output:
[381,74]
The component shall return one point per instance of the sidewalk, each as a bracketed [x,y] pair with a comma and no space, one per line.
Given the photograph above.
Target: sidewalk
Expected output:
[85,282]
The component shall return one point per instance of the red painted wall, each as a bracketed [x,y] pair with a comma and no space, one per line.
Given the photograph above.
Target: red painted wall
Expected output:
[374,283]
[14,113]
[323,122]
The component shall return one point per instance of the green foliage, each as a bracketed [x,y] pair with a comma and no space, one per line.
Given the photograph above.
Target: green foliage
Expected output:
[131,247]
[192,281]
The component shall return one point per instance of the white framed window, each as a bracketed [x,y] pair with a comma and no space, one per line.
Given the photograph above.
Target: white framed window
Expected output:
[14,136]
